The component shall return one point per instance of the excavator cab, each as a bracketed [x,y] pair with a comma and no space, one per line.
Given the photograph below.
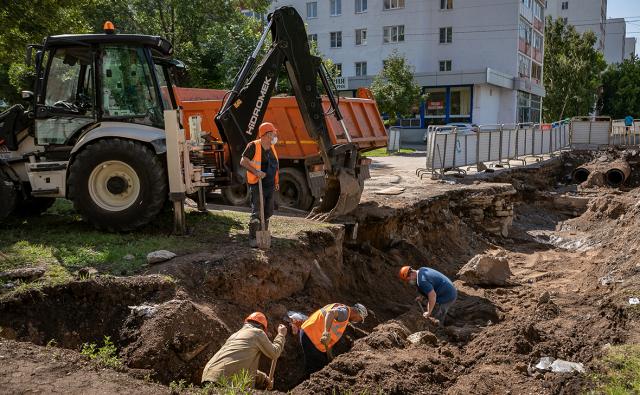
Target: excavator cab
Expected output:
[85,79]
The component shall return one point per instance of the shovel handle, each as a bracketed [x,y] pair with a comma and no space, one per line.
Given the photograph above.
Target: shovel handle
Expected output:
[272,371]
[262,224]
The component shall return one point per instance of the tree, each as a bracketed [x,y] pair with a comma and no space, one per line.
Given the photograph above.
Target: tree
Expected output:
[212,37]
[621,89]
[394,88]
[572,71]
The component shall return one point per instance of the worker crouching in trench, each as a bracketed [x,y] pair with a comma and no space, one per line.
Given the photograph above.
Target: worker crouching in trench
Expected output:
[261,161]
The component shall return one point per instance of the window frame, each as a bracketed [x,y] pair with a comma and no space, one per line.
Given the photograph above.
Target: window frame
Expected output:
[362,9]
[447,36]
[399,4]
[359,34]
[446,5]
[388,38]
[335,5]
[338,37]
[359,65]
[443,65]
[315,16]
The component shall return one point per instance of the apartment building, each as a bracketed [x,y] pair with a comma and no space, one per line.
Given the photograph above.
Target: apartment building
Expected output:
[480,61]
[591,15]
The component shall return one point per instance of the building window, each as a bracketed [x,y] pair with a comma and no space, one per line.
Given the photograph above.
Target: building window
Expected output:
[460,104]
[445,65]
[536,109]
[536,72]
[524,107]
[336,39]
[312,9]
[361,69]
[393,34]
[435,105]
[525,35]
[565,20]
[361,6]
[565,5]
[361,36]
[446,35]
[312,37]
[538,11]
[524,66]
[338,67]
[336,7]
[527,3]
[393,4]
[446,4]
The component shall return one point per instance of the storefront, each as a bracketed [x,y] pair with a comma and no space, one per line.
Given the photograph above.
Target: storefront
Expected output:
[447,104]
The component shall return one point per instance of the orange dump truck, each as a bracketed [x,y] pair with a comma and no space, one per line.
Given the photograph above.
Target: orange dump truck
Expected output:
[298,153]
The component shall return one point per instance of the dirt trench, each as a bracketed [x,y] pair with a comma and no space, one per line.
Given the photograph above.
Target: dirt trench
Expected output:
[169,328]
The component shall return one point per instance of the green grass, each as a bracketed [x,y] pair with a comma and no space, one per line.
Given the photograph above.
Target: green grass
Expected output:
[620,371]
[376,153]
[107,355]
[62,242]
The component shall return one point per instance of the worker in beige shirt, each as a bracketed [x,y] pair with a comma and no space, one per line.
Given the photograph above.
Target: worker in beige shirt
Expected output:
[242,351]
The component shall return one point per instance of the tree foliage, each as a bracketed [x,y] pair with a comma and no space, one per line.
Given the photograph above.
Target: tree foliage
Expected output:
[572,71]
[621,89]
[394,88]
[212,37]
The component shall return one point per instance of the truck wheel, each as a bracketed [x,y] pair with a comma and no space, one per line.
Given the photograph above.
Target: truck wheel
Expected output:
[117,184]
[237,195]
[294,190]
[8,197]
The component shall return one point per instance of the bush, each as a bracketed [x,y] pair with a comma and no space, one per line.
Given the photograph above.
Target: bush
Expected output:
[107,355]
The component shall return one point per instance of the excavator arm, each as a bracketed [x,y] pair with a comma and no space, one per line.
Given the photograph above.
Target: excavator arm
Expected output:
[245,106]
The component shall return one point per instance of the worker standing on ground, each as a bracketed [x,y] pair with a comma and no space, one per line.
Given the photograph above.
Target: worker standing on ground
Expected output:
[323,329]
[242,351]
[435,287]
[261,161]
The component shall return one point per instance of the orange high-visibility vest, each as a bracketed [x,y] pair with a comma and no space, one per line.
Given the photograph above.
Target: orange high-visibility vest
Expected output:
[314,327]
[256,163]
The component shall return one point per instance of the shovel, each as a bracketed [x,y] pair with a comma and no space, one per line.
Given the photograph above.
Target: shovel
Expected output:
[329,351]
[272,371]
[263,237]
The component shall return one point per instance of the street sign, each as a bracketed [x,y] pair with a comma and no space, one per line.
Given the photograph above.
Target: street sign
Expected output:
[341,83]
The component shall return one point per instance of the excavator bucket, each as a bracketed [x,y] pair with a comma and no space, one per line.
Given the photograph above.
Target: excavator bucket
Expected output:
[342,195]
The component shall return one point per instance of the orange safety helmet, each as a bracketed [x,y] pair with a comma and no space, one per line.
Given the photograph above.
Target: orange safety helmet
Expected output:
[259,318]
[265,128]
[405,271]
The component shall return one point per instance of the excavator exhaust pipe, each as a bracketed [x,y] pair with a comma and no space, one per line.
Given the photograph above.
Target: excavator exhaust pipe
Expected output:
[618,173]
[342,195]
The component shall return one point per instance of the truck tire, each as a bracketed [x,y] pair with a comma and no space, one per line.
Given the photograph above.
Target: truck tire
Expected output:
[294,190]
[8,197]
[237,195]
[117,184]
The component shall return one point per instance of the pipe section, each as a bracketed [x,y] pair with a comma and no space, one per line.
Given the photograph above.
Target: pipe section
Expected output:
[580,174]
[617,173]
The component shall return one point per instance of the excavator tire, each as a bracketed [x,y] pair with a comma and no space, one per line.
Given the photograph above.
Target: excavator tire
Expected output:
[294,190]
[117,184]
[8,196]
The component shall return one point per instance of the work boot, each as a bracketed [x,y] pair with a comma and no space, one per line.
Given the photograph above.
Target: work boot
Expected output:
[254,226]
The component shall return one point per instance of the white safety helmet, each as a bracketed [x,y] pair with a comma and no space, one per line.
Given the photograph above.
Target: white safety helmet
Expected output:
[361,310]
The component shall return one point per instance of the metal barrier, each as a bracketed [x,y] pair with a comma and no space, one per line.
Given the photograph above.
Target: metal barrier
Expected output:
[450,148]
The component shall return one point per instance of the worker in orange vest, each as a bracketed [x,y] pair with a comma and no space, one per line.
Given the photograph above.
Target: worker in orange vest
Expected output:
[323,329]
[261,161]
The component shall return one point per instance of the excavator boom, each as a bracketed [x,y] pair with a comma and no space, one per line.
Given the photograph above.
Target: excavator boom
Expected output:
[246,105]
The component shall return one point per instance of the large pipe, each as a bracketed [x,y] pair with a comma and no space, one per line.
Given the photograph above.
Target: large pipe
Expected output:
[580,174]
[617,173]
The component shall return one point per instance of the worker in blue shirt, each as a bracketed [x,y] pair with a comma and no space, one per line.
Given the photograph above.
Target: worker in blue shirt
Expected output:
[435,286]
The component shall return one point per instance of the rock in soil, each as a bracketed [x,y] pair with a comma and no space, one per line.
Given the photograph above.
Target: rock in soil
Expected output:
[485,269]
[26,274]
[159,256]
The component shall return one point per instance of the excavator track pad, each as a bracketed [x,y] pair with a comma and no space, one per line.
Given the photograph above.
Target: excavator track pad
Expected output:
[342,195]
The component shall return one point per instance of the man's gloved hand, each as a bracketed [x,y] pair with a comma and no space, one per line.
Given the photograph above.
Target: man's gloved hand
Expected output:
[325,338]
[282,330]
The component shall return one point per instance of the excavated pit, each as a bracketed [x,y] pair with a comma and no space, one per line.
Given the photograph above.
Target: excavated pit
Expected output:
[170,328]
